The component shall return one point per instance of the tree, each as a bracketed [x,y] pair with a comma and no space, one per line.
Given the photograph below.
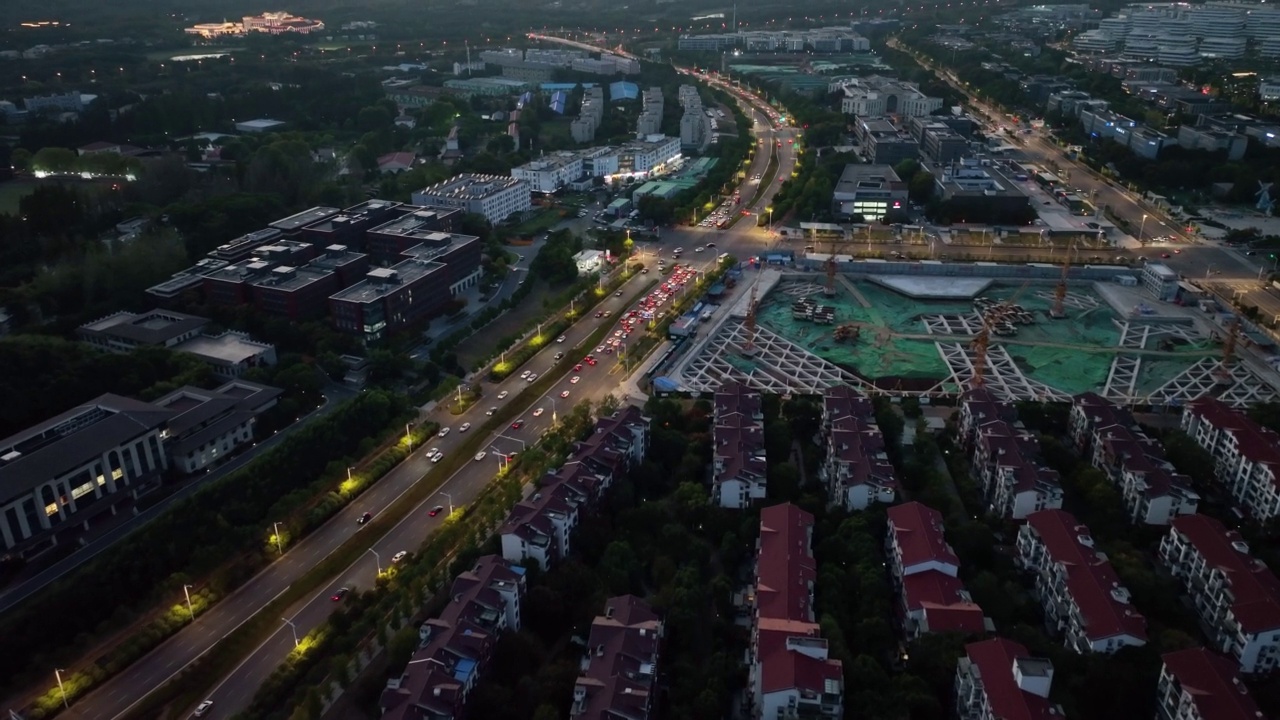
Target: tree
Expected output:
[54,160]
[20,159]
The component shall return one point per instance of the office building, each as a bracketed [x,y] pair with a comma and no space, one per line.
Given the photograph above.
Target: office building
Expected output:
[1246,455]
[925,574]
[348,228]
[791,672]
[1106,434]
[877,96]
[868,191]
[978,192]
[882,143]
[230,354]
[1193,137]
[619,671]
[124,332]
[738,461]
[456,648]
[1160,281]
[487,86]
[387,243]
[67,102]
[997,679]
[1236,596]
[857,472]
[1198,684]
[208,425]
[495,197]
[1080,592]
[291,227]
[940,144]
[550,173]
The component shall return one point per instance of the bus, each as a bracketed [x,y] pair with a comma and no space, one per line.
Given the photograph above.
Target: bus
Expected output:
[1047,180]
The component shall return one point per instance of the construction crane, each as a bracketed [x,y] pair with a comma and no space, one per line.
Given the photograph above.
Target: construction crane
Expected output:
[980,344]
[749,348]
[830,289]
[1058,312]
[1229,351]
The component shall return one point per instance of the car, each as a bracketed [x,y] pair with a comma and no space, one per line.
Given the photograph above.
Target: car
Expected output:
[1177,251]
[437,457]
[525,375]
[575,380]
[599,348]
[626,335]
[533,376]
[599,313]
[618,294]
[645,271]
[517,425]
[607,313]
[464,427]
[677,251]
[341,593]
[443,431]
[564,393]
[1164,255]
[399,556]
[364,518]
[203,709]
[538,412]
[577,368]
[592,362]
[617,333]
[436,510]
[560,339]
[697,249]
[710,245]
[480,456]
[502,395]
[491,411]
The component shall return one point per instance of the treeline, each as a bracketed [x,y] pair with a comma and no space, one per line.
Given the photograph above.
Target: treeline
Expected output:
[224,526]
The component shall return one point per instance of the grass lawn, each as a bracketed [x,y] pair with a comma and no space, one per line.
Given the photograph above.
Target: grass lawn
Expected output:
[542,221]
[13,191]
[484,342]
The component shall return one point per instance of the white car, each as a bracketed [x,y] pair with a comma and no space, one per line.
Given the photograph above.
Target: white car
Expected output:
[599,348]
[437,457]
[464,427]
[538,412]
[532,377]
[399,556]
[564,393]
[203,709]
[560,339]
[503,395]
[443,431]
[480,455]
[678,250]
[491,411]
[574,380]
[525,375]
[697,249]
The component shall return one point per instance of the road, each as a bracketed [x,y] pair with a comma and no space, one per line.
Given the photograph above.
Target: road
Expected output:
[14,594]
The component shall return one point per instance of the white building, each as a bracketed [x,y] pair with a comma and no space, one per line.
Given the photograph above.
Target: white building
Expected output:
[550,173]
[1246,455]
[1160,281]
[1013,482]
[1197,684]
[1081,594]
[1095,41]
[738,462]
[875,96]
[589,262]
[1236,596]
[493,196]
[1269,88]
[997,679]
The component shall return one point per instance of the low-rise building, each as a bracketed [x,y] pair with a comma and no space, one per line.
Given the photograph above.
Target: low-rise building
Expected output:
[230,354]
[978,192]
[1080,592]
[621,665]
[589,262]
[493,196]
[1246,455]
[1005,461]
[857,470]
[1201,138]
[1236,596]
[997,679]
[791,671]
[456,647]
[876,96]
[1160,280]
[738,472]
[868,191]
[208,425]
[124,332]
[1154,493]
[407,228]
[550,173]
[925,572]
[881,142]
[1198,684]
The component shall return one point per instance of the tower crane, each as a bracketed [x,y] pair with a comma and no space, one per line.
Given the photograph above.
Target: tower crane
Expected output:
[749,348]
[1058,312]
[830,289]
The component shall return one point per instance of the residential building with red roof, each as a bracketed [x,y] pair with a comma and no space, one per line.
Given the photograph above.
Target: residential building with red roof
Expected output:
[1197,684]
[790,667]
[997,679]
[456,647]
[396,162]
[1079,590]
[540,528]
[1235,594]
[1107,434]
[978,407]
[925,573]
[738,473]
[1014,482]
[621,664]
[1247,455]
[857,470]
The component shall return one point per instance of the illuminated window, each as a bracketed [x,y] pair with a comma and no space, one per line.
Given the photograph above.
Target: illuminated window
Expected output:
[102,480]
[51,509]
[79,492]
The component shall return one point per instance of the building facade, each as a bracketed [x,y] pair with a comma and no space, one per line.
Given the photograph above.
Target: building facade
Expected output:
[493,196]
[1246,455]
[997,679]
[738,474]
[856,472]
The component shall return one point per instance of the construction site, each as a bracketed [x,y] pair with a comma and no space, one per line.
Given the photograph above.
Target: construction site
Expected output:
[1038,338]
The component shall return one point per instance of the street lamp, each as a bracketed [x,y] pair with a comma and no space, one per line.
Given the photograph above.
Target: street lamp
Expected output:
[377,559]
[294,628]
[1141,227]
[58,674]
[449,497]
[408,437]
[276,526]
[186,590]
[1208,271]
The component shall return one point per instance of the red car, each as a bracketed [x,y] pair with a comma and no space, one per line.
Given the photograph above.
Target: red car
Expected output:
[517,425]
[436,510]
[577,368]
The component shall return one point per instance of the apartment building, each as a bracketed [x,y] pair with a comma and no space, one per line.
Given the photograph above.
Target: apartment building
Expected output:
[621,665]
[1198,684]
[791,673]
[456,647]
[1154,494]
[1014,482]
[493,196]
[925,573]
[997,679]
[1246,455]
[978,407]
[549,174]
[541,527]
[1236,596]
[856,472]
[1080,592]
[738,471]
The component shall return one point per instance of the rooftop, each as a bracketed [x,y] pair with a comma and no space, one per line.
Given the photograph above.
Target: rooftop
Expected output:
[918,534]
[230,347]
[290,278]
[470,186]
[786,569]
[1213,683]
[863,177]
[306,217]
[995,660]
[1253,587]
[151,328]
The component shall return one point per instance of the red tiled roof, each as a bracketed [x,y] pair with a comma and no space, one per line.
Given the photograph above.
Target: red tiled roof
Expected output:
[397,158]
[1101,412]
[622,656]
[783,669]
[994,659]
[1090,579]
[734,398]
[943,601]
[1213,682]
[785,567]
[841,401]
[1254,587]
[1258,444]
[917,531]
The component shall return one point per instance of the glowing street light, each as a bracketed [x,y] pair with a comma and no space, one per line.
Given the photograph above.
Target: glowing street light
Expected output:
[186,590]
[377,559]
[276,526]
[294,628]
[58,674]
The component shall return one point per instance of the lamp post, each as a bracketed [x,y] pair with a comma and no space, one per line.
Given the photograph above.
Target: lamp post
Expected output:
[1141,227]
[408,437]
[449,497]
[294,628]
[57,672]
[1208,271]
[276,526]
[377,559]
[186,590]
